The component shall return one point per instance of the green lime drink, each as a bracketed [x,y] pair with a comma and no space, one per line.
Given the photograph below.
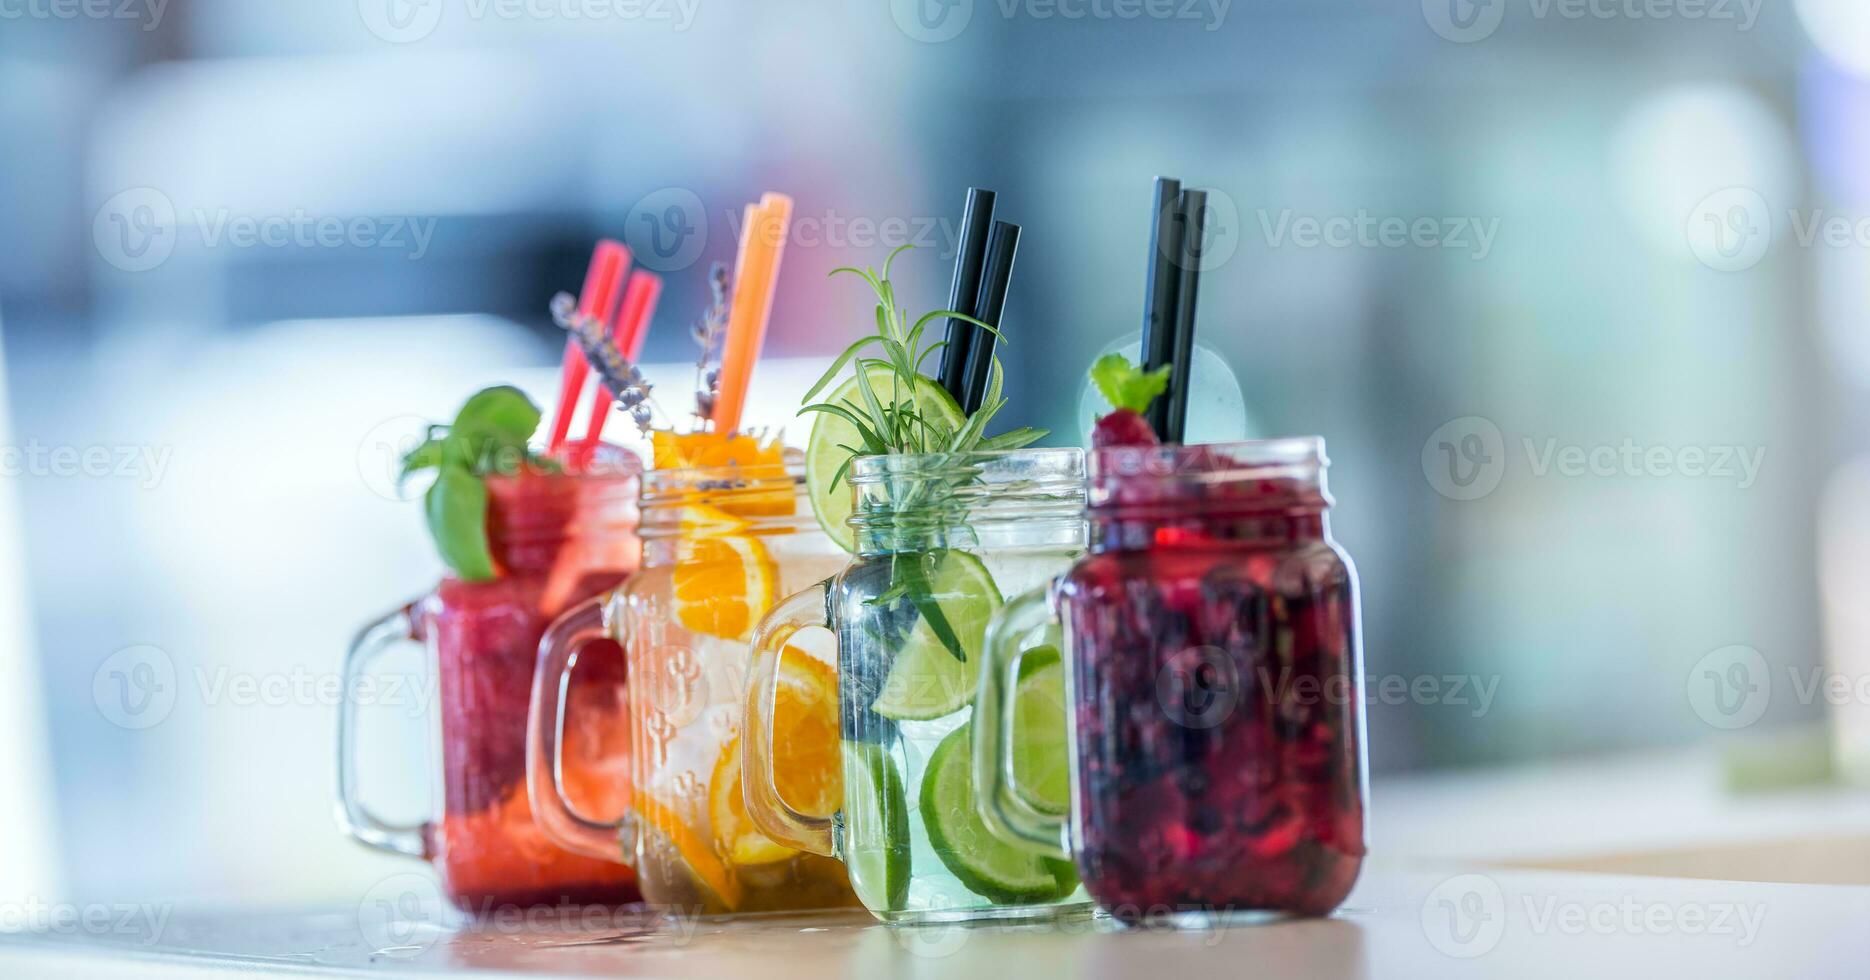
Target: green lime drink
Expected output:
[941,540]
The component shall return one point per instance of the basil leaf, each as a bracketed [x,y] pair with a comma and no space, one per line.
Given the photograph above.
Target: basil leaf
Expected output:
[456,508]
[492,428]
[426,456]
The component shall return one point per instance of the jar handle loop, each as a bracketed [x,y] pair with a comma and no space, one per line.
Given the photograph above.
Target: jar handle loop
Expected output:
[1022,627]
[355,819]
[768,811]
[545,730]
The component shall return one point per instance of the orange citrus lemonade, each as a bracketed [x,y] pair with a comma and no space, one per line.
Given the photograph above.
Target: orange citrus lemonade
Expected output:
[727,532]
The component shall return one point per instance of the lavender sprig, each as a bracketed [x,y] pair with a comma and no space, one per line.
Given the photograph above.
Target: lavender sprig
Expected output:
[622,379]
[710,332]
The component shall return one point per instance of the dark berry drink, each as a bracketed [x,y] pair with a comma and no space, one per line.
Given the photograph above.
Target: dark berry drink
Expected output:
[1217,678]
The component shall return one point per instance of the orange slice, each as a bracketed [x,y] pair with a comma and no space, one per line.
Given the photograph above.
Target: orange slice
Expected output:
[723,581]
[806,760]
[714,450]
[707,868]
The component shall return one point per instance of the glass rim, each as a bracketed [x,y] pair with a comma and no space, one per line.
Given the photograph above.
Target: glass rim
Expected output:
[993,465]
[1244,456]
[674,485]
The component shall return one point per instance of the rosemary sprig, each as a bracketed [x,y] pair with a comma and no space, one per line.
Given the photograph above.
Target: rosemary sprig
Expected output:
[897,424]
[894,422]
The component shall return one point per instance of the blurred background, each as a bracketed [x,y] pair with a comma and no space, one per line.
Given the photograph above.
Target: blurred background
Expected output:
[1576,294]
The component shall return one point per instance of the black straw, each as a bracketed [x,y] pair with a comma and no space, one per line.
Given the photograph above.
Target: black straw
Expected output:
[1191,217]
[964,292]
[1002,244]
[1159,292]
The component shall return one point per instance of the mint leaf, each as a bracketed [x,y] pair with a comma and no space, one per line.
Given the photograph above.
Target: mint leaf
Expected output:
[1125,385]
[456,509]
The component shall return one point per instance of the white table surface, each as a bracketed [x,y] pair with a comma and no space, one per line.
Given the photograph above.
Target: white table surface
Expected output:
[1455,889]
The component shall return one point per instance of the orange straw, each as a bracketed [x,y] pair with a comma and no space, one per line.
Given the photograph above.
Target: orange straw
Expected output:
[762,245]
[603,287]
[628,333]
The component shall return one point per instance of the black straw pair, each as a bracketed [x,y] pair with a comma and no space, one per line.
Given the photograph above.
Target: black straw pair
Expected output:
[983,269]
[1176,237]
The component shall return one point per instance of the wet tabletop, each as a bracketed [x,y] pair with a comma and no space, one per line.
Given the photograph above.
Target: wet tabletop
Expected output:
[1409,921]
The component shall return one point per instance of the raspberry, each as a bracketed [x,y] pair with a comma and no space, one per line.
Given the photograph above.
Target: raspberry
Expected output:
[1122,428]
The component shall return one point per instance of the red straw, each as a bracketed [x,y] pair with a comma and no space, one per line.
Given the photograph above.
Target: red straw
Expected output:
[628,332]
[603,287]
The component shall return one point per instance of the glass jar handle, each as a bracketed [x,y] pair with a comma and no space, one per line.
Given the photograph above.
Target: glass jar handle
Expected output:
[545,728]
[1005,811]
[355,819]
[768,811]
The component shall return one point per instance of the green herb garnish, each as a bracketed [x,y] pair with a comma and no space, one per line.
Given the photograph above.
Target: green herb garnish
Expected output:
[899,421]
[1125,385]
[898,425]
[488,437]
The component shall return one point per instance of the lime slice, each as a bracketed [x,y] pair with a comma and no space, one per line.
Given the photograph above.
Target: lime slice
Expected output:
[825,453]
[878,821]
[955,597]
[1041,771]
[987,865]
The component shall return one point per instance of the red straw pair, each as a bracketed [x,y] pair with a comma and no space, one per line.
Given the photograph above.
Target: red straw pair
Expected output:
[625,301]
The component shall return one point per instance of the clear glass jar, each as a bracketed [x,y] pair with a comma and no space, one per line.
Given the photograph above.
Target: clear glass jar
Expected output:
[941,539]
[1214,671]
[719,547]
[557,539]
